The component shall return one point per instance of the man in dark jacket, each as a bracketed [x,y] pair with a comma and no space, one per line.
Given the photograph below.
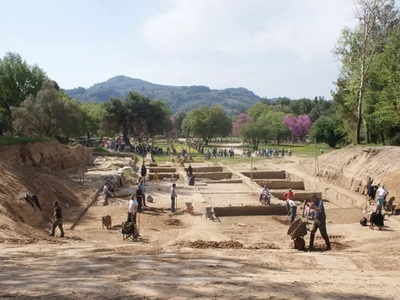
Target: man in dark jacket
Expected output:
[139,198]
[57,220]
[143,171]
[319,222]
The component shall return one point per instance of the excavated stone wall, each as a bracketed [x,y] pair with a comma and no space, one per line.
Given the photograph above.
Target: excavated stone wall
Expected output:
[205,169]
[281,184]
[266,174]
[213,176]
[229,211]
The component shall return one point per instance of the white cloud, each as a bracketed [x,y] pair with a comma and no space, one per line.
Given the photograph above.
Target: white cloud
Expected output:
[274,47]
[305,28]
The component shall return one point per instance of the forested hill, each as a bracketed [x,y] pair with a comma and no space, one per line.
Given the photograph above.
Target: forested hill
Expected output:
[178,97]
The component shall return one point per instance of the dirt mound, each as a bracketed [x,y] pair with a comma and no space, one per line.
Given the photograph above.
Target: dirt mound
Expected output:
[200,244]
[351,168]
[264,245]
[331,237]
[335,245]
[20,219]
[174,222]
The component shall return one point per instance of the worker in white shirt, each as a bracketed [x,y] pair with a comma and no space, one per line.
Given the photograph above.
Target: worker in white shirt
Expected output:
[293,209]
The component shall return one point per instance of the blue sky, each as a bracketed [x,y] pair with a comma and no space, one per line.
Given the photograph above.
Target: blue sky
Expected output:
[272,47]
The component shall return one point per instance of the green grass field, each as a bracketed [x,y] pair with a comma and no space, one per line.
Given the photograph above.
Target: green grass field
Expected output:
[162,159]
[297,149]
[100,149]
[8,140]
[305,150]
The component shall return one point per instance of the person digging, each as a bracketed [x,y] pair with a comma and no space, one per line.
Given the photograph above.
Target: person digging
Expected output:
[57,220]
[319,222]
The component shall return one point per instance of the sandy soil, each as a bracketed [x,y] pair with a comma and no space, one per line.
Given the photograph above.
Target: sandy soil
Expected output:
[184,256]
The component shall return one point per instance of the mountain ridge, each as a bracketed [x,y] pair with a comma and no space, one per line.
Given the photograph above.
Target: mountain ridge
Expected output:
[179,98]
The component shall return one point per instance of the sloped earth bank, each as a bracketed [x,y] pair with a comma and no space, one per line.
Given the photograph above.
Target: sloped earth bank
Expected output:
[351,168]
[183,256]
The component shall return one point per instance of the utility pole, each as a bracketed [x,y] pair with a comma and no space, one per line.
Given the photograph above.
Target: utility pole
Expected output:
[251,167]
[83,163]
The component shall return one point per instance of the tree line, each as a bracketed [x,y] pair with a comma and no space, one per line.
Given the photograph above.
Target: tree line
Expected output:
[34,105]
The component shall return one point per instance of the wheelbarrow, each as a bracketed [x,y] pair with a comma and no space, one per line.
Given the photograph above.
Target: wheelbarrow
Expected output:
[297,231]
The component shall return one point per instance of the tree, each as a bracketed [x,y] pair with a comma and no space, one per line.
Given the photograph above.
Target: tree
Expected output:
[382,98]
[258,109]
[207,122]
[18,80]
[158,121]
[301,107]
[299,126]
[147,117]
[237,124]
[321,107]
[283,105]
[50,113]
[254,132]
[138,115]
[176,121]
[277,129]
[222,123]
[328,130]
[116,118]
[93,114]
[358,47]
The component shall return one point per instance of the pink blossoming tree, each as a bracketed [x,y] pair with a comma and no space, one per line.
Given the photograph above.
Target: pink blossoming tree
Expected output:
[242,119]
[299,126]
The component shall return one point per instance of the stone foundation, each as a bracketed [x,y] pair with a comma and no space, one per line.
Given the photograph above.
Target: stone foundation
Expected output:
[229,211]
[266,175]
[281,184]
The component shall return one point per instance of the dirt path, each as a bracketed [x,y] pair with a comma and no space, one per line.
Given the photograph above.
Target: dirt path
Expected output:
[183,256]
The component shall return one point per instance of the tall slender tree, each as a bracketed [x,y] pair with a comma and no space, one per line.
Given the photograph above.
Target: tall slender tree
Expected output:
[358,47]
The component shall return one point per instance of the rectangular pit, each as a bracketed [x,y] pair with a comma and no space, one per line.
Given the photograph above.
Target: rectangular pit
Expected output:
[164,175]
[223,181]
[266,174]
[205,169]
[281,184]
[231,211]
[213,176]
[298,195]
[162,170]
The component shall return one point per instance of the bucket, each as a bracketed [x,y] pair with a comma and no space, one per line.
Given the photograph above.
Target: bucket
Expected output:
[189,207]
[210,212]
